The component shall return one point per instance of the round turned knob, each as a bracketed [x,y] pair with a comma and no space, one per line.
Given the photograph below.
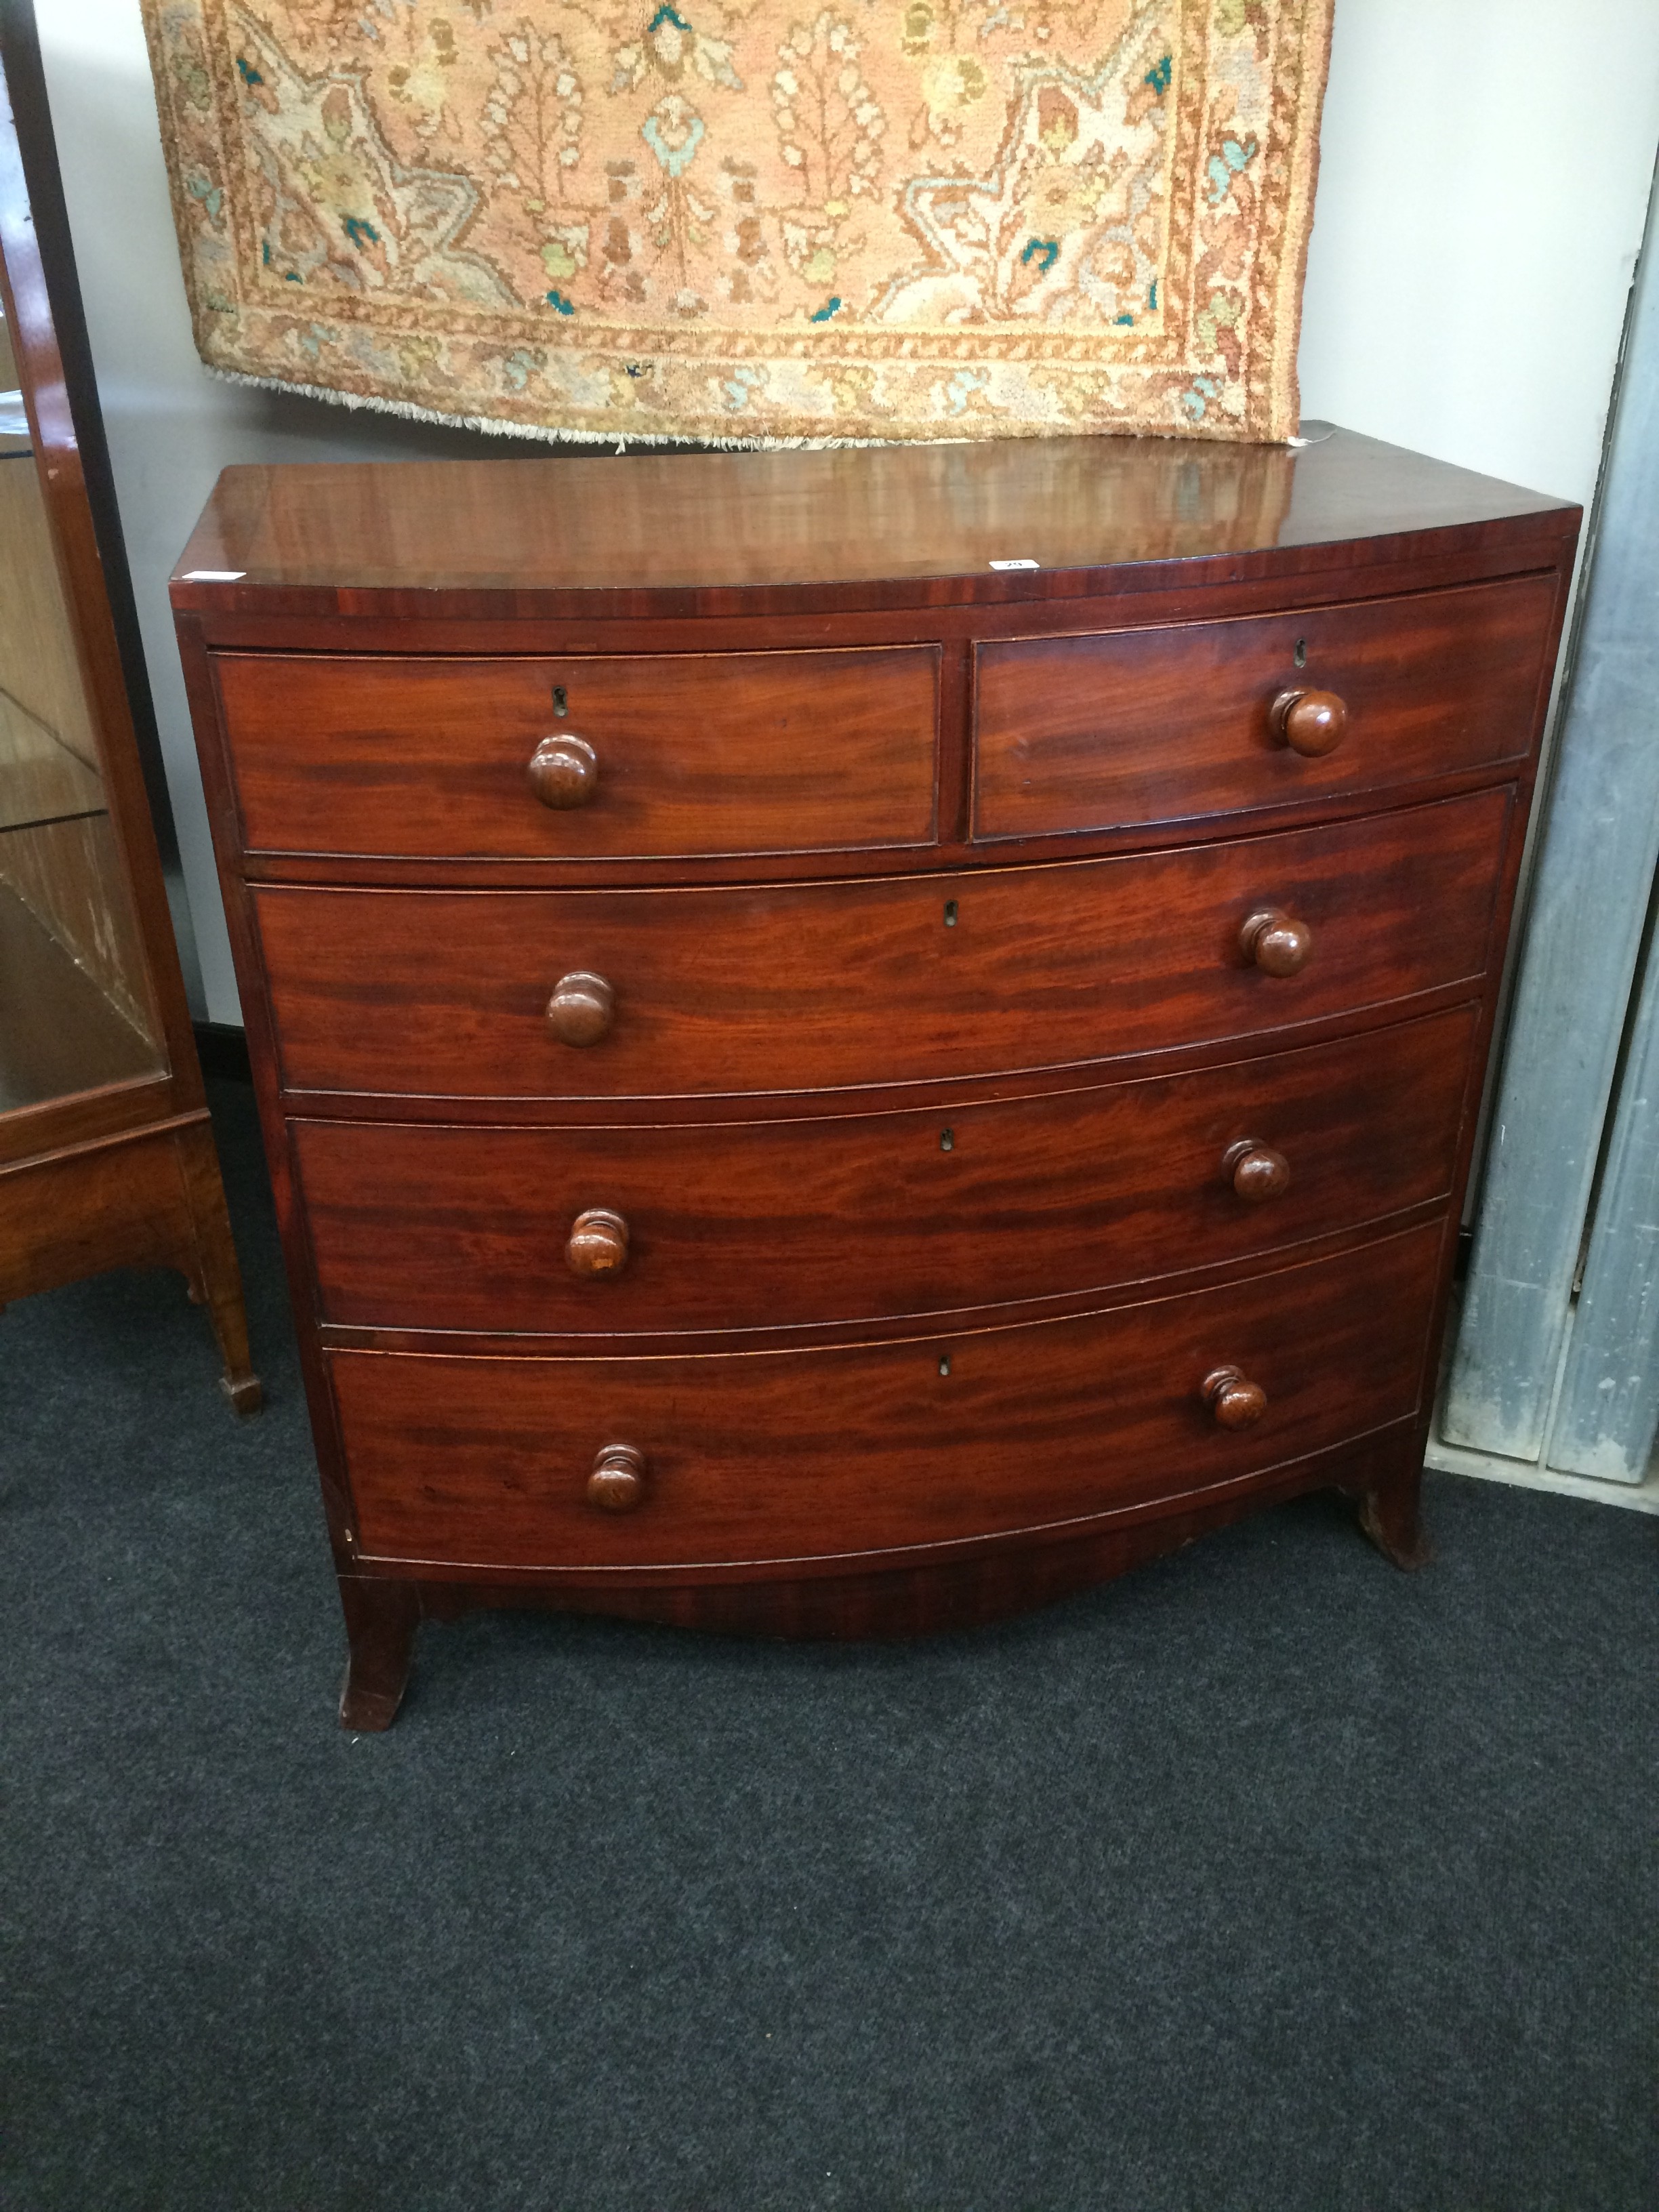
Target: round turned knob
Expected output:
[581,1009]
[1256,1171]
[617,1482]
[1235,1402]
[1275,944]
[564,771]
[598,1243]
[1311,723]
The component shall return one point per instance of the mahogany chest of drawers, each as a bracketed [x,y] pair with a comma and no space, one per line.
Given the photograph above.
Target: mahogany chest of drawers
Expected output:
[850,1041]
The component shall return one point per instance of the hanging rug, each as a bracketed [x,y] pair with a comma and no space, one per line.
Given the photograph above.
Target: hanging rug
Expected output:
[759,224]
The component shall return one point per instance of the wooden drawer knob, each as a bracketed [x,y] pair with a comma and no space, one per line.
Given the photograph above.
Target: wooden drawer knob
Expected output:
[1256,1171]
[581,1009]
[617,1482]
[564,771]
[1311,723]
[1275,944]
[1236,1402]
[597,1244]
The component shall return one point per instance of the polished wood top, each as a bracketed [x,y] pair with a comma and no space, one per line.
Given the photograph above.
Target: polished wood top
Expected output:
[919,523]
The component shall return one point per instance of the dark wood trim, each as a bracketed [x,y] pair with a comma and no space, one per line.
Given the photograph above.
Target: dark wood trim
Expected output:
[26,81]
[836,533]
[234,618]
[118,1173]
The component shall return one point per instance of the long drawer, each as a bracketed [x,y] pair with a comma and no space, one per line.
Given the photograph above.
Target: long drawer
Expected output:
[692,754]
[1176,723]
[785,1224]
[754,1456]
[819,986]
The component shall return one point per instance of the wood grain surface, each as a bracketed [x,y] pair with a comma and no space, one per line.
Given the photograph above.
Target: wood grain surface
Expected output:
[957,1587]
[1174,723]
[772,1224]
[830,531]
[759,1456]
[870,982]
[698,753]
[1010,1078]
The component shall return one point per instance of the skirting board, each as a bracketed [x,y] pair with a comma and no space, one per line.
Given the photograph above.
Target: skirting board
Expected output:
[1526,1474]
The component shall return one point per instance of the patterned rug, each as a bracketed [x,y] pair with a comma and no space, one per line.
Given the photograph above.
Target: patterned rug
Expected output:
[757,222]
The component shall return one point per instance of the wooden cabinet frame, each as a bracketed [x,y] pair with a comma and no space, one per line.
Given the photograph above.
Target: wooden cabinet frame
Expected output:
[106,1155]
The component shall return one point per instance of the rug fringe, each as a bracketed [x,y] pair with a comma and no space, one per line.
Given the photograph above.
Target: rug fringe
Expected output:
[495,426]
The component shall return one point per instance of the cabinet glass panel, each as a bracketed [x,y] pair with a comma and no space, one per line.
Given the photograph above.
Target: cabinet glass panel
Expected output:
[74,1002]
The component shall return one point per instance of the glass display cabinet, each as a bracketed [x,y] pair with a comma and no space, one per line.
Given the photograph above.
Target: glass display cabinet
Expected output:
[106,1155]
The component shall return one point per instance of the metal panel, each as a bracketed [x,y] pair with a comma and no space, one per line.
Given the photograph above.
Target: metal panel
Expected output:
[1590,903]
[1609,1409]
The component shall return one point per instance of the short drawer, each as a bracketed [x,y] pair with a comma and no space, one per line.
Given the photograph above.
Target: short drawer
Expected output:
[1138,726]
[675,754]
[755,1458]
[820,986]
[767,1224]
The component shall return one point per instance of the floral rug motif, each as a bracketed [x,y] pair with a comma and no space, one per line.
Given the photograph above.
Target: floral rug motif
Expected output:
[758,222]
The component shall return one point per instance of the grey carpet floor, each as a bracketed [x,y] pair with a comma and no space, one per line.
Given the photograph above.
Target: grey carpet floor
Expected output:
[1265,1878]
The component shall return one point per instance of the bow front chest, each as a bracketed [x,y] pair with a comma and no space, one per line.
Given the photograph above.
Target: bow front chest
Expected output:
[851,1040]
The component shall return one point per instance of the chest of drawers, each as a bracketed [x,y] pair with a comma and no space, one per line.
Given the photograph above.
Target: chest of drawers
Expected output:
[848,1042]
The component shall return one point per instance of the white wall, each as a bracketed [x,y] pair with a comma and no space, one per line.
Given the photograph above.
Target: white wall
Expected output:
[1485,175]
[1483,184]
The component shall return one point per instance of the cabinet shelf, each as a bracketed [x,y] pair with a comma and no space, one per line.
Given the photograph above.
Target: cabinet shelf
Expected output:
[42,779]
[58,1033]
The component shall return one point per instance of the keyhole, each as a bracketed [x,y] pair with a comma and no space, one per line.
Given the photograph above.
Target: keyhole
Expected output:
[561,706]
[944,1365]
[1301,659]
[947,1139]
[950,914]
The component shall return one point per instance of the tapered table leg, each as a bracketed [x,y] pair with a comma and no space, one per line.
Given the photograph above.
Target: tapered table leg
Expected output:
[1390,1515]
[380,1618]
[217,1282]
